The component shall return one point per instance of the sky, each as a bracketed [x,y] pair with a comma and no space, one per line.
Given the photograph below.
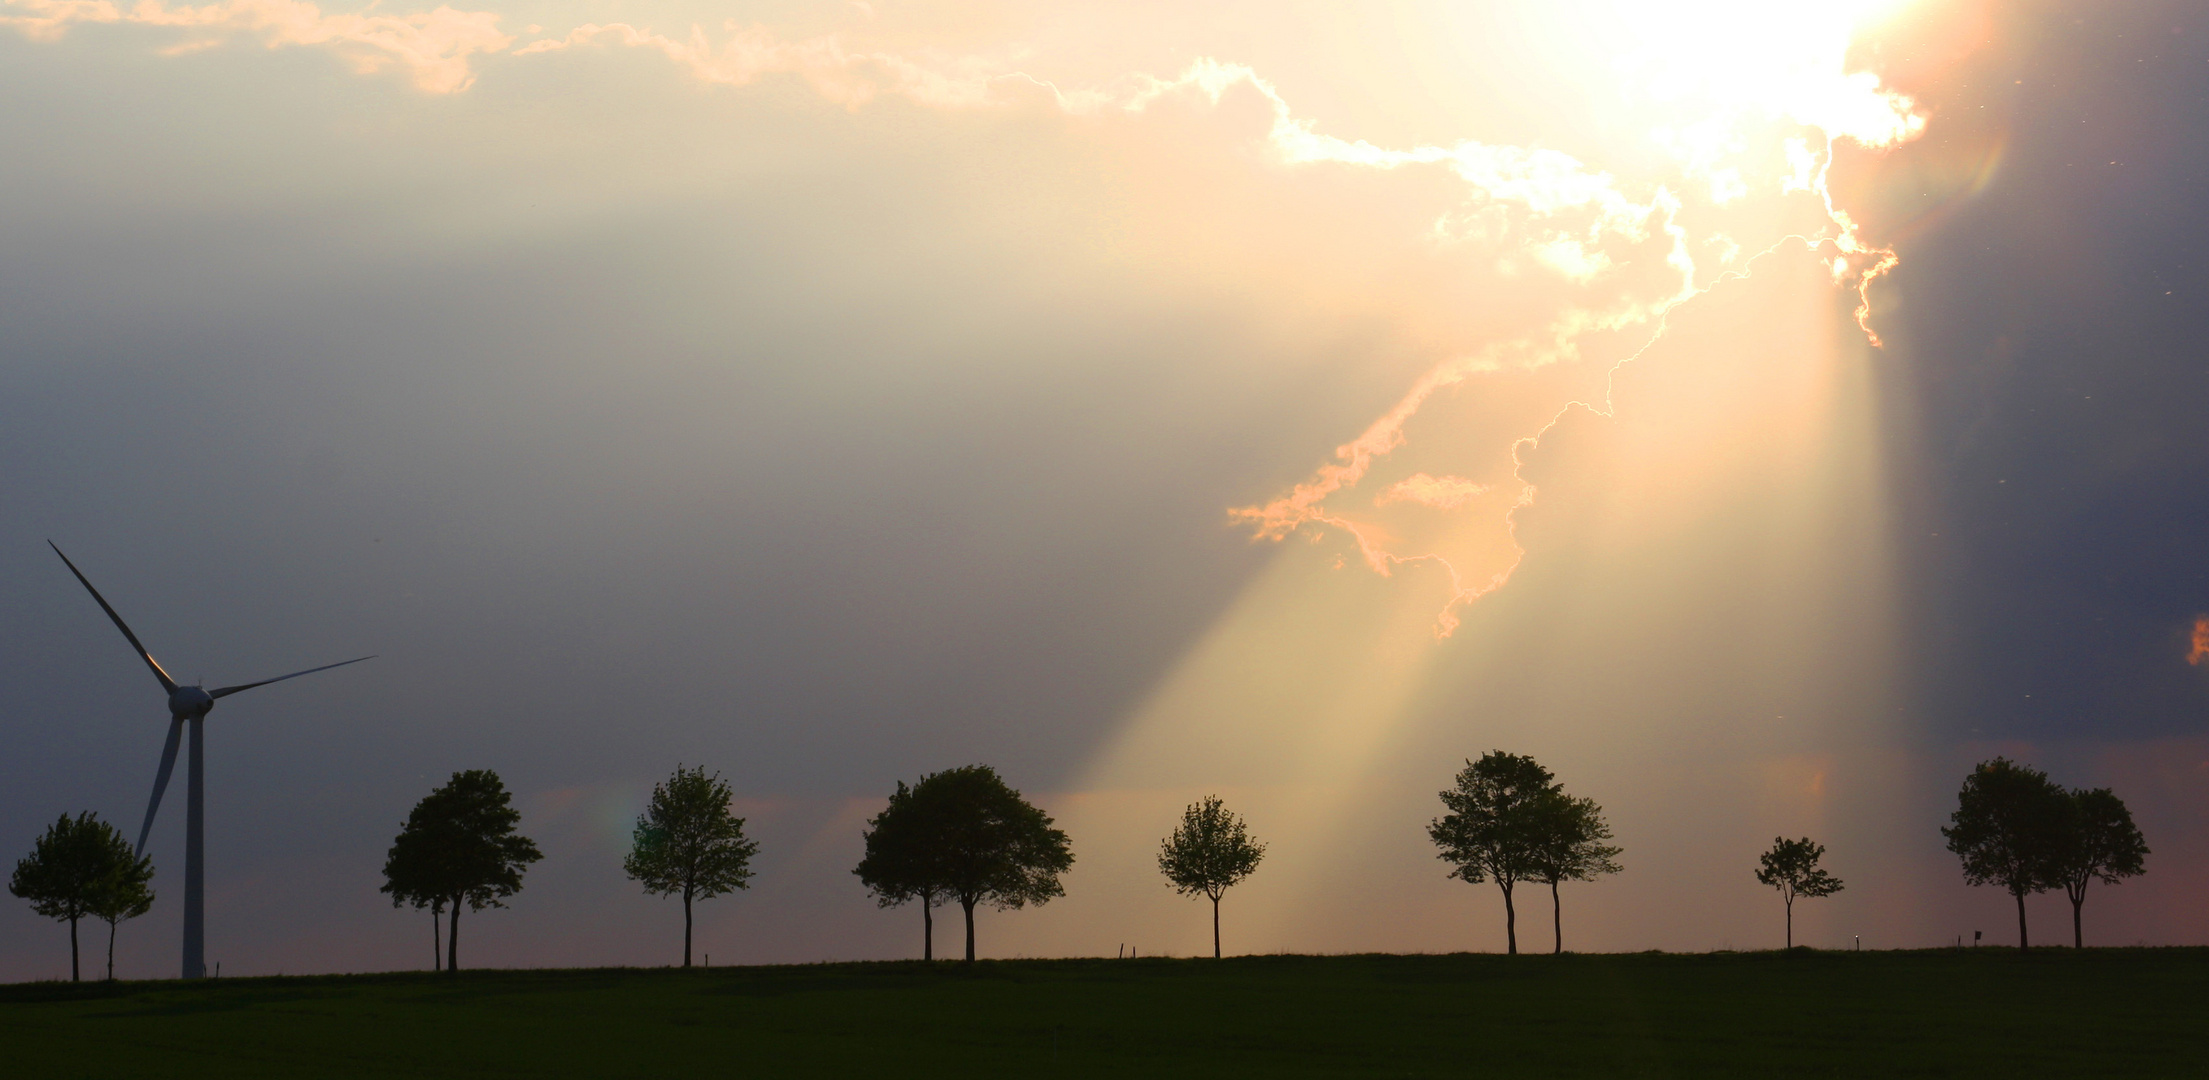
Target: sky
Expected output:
[1758,414]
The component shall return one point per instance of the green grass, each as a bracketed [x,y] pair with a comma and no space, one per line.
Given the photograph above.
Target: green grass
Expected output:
[1984,1012]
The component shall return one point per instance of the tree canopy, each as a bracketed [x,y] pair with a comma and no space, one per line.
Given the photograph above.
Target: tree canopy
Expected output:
[1791,866]
[458,847]
[1208,853]
[1494,825]
[899,864]
[688,843]
[2103,845]
[80,868]
[963,833]
[1567,844]
[2011,828]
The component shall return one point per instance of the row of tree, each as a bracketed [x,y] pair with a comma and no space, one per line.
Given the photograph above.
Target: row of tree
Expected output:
[963,835]
[2015,828]
[83,868]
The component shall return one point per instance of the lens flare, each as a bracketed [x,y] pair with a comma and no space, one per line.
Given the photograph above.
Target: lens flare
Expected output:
[2200,649]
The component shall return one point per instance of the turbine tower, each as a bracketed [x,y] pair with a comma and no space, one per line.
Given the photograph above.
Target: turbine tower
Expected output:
[193,704]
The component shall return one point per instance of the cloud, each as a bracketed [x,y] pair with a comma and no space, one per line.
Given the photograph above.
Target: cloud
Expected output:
[432,47]
[1607,255]
[1439,492]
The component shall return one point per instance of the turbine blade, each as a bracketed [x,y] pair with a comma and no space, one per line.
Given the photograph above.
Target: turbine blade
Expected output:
[160,782]
[167,683]
[229,690]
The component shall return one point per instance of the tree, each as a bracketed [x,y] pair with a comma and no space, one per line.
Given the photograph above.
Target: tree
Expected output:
[459,846]
[2103,844]
[1568,845]
[1493,826]
[2011,828]
[688,842]
[73,872]
[1792,868]
[1208,853]
[411,876]
[980,842]
[125,891]
[900,863]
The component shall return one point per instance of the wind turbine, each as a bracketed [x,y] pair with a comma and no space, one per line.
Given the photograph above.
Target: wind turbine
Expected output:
[185,703]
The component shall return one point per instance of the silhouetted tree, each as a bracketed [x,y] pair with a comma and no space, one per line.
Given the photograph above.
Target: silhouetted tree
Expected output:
[2011,828]
[900,862]
[1569,835]
[459,845]
[74,869]
[412,877]
[125,891]
[1493,827]
[2103,844]
[1209,852]
[985,844]
[688,842]
[1792,868]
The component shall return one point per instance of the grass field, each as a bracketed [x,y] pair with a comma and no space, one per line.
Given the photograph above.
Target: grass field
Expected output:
[1984,1012]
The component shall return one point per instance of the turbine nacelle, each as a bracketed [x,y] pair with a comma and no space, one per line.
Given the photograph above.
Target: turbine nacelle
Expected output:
[186,702]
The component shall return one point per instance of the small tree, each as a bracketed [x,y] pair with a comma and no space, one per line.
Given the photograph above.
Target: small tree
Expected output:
[1792,868]
[1569,835]
[459,846]
[412,876]
[688,842]
[1493,826]
[2104,845]
[2011,828]
[72,873]
[125,891]
[900,862]
[1211,851]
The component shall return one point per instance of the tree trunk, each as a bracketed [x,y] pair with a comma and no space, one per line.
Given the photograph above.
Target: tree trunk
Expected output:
[452,940]
[437,942]
[111,950]
[2078,933]
[1790,920]
[927,928]
[73,976]
[1215,928]
[1556,919]
[686,927]
[2023,942]
[1510,920]
[969,905]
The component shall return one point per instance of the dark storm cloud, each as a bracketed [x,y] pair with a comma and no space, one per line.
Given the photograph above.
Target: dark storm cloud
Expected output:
[2054,351]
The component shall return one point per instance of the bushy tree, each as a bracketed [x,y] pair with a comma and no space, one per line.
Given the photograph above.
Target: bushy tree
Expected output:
[900,863]
[2012,828]
[1792,868]
[412,877]
[126,890]
[688,842]
[1568,845]
[969,837]
[1493,828]
[1209,852]
[80,868]
[2103,845]
[459,847]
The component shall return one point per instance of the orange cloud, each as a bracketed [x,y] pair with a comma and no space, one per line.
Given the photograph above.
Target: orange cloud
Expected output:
[2201,642]
[1440,492]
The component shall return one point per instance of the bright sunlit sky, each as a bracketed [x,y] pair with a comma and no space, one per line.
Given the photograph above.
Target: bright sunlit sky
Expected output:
[1758,413]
